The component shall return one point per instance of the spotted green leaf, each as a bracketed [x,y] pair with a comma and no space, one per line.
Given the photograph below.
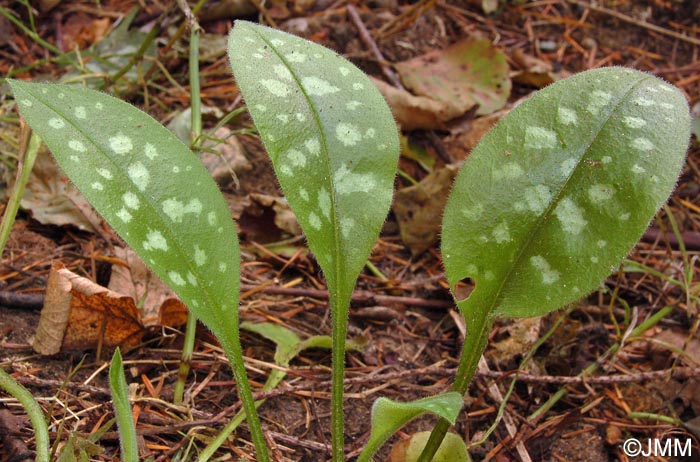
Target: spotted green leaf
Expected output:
[149,187]
[331,138]
[334,146]
[388,416]
[560,190]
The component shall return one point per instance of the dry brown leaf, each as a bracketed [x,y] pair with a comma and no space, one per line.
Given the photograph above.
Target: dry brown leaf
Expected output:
[667,343]
[465,137]
[53,200]
[140,283]
[230,159]
[416,112]
[267,218]
[522,334]
[418,209]
[470,72]
[79,314]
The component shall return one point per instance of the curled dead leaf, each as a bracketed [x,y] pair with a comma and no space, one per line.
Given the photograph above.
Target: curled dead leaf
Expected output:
[418,209]
[79,314]
[416,112]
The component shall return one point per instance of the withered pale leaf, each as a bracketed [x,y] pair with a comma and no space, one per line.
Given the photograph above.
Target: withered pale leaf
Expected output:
[79,314]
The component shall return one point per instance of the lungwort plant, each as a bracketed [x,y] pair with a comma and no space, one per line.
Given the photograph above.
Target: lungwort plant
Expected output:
[544,208]
[554,197]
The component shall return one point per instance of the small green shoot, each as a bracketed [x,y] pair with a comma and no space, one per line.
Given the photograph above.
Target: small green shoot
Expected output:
[122,410]
[334,146]
[556,195]
[388,416]
[452,449]
[36,415]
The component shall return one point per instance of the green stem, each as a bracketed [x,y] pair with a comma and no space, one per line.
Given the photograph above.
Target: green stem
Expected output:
[340,305]
[479,325]
[122,409]
[195,133]
[27,156]
[231,344]
[150,37]
[36,415]
[186,358]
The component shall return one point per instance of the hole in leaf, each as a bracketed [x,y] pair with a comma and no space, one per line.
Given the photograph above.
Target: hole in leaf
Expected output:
[464,288]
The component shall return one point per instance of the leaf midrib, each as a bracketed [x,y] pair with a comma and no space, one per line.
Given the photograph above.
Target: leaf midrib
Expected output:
[338,255]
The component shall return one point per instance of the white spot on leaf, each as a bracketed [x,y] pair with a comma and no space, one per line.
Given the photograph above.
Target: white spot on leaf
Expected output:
[295,57]
[600,193]
[509,171]
[549,276]
[296,158]
[318,86]
[200,256]
[56,123]
[98,186]
[638,169]
[314,221]
[120,144]
[352,105]
[27,103]
[344,71]
[155,241]
[645,102]
[313,145]
[598,100]
[124,215]
[80,112]
[501,233]
[346,226]
[347,134]
[540,138]
[642,144]
[474,212]
[275,87]
[131,200]
[324,202]
[103,172]
[567,116]
[347,182]
[568,166]
[538,198]
[150,151]
[76,145]
[284,118]
[634,122]
[139,175]
[304,194]
[570,216]
[176,278]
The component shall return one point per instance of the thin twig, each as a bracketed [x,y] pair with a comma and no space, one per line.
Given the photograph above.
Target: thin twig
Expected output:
[372,45]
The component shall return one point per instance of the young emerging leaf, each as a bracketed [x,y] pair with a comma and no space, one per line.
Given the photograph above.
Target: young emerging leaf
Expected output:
[388,416]
[149,187]
[452,449]
[560,190]
[122,409]
[331,138]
